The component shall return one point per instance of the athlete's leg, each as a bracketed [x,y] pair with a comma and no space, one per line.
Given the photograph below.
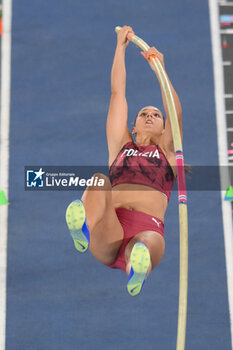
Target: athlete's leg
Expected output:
[142,254]
[155,244]
[106,233]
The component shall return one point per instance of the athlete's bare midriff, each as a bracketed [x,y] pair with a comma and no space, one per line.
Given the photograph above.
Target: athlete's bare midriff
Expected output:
[141,198]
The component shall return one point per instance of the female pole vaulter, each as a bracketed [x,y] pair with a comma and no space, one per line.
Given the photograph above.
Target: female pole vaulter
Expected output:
[122,223]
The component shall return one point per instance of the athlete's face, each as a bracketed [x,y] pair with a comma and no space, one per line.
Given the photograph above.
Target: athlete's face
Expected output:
[149,119]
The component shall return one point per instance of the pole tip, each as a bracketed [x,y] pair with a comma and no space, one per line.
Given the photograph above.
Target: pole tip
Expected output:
[117,29]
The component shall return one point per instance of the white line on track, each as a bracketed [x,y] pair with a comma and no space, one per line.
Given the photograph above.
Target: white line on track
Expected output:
[4,158]
[222,150]
[229,112]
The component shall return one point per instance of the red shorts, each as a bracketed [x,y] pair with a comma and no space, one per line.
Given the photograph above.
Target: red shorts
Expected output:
[133,222]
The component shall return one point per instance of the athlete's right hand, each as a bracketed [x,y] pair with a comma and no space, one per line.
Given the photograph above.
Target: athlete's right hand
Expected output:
[122,36]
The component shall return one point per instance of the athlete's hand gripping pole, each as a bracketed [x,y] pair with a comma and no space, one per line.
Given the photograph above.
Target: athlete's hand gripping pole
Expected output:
[182,196]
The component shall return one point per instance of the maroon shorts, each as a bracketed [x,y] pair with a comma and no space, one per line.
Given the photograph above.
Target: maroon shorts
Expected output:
[133,222]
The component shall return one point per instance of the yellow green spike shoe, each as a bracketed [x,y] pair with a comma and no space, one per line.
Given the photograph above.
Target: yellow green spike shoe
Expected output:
[76,221]
[140,261]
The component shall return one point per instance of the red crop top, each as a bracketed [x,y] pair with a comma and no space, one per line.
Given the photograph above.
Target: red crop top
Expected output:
[144,165]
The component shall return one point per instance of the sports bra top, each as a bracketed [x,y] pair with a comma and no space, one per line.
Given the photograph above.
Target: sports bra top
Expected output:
[145,165]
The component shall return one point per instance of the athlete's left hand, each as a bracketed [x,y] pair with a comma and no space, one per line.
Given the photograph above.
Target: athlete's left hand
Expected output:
[153,52]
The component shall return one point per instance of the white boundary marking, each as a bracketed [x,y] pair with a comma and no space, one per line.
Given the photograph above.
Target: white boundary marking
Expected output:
[4,158]
[222,150]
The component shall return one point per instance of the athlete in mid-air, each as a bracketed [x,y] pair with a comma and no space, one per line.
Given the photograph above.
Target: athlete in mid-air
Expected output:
[122,223]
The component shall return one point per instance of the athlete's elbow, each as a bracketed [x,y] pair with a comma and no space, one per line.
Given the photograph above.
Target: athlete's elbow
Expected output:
[178,108]
[117,89]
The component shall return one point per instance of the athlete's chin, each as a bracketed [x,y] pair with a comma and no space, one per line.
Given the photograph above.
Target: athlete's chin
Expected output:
[151,131]
[149,127]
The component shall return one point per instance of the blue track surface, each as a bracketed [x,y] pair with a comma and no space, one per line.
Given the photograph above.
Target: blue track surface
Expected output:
[62,53]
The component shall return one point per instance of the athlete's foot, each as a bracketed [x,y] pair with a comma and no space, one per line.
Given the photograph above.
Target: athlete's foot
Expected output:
[140,262]
[75,219]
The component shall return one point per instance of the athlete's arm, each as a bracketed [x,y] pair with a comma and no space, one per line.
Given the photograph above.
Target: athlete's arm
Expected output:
[116,128]
[167,135]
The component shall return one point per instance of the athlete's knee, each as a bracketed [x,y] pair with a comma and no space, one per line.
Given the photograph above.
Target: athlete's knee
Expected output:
[154,243]
[130,245]
[100,182]
[98,196]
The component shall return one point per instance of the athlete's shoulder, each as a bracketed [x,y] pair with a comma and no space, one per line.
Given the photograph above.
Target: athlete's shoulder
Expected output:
[127,144]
